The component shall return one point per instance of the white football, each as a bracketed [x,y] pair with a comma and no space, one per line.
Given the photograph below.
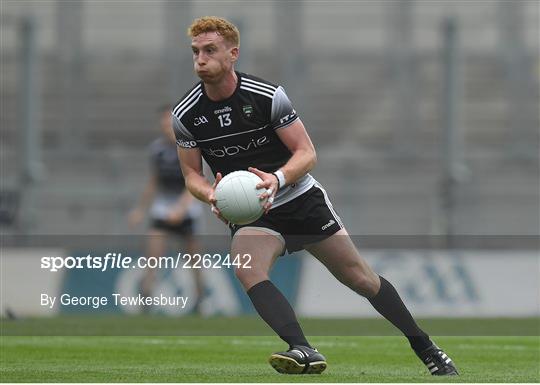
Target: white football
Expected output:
[238,198]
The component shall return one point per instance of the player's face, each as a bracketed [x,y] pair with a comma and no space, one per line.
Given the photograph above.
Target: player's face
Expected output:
[213,57]
[166,126]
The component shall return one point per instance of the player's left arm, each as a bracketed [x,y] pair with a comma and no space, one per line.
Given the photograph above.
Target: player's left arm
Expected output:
[304,157]
[302,161]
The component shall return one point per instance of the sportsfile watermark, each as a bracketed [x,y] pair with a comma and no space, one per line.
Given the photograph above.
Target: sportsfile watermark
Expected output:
[113,260]
[114,285]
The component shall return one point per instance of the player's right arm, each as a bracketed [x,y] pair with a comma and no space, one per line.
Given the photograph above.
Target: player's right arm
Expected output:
[196,182]
[190,157]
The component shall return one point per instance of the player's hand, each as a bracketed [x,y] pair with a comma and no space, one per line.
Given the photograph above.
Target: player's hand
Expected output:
[135,217]
[212,199]
[270,183]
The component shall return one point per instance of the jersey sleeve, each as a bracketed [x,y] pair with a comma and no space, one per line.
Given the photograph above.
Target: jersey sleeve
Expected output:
[184,138]
[283,113]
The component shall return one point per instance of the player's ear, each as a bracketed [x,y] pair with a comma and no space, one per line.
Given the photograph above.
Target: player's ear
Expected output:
[235,52]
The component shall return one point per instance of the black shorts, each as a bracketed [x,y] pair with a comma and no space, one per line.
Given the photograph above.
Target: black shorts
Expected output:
[186,227]
[306,219]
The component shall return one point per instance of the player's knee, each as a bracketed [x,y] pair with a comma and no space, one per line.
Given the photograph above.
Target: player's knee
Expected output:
[364,284]
[248,276]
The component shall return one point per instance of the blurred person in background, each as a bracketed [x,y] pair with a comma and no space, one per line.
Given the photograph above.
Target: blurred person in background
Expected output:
[238,121]
[173,212]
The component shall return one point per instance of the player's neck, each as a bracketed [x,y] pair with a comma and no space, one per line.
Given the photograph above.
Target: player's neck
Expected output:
[222,89]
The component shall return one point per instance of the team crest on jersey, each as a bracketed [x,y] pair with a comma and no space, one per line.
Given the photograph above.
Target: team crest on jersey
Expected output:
[248,110]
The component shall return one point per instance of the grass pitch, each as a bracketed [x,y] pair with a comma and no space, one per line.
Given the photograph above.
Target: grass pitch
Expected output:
[182,358]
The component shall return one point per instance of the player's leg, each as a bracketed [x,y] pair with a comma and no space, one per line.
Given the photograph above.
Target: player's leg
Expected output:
[264,246]
[340,256]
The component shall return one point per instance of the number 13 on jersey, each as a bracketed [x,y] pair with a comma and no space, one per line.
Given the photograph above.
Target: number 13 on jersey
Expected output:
[224,120]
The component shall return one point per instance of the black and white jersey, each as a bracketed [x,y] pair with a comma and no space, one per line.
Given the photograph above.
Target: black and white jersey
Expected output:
[165,166]
[240,131]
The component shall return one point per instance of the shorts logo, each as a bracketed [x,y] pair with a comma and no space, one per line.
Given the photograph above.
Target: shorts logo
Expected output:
[328,224]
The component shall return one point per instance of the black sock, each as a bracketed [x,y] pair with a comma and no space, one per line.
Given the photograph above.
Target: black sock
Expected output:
[388,303]
[276,311]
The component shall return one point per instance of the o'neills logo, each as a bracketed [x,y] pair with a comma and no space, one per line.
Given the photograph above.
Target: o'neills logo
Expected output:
[324,227]
[221,152]
[222,110]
